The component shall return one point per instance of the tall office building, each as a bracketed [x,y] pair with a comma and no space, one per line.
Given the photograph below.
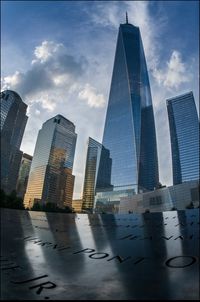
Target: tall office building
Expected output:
[91,168]
[184,133]
[51,178]
[13,122]
[129,133]
[23,174]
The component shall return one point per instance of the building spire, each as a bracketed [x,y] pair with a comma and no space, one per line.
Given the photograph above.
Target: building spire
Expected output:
[126,18]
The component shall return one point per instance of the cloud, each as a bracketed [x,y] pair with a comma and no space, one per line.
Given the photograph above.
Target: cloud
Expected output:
[53,74]
[151,27]
[91,97]
[46,50]
[53,77]
[12,80]
[51,69]
[106,15]
[174,74]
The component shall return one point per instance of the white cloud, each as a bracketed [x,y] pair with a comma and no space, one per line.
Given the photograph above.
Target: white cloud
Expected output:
[46,100]
[46,50]
[112,14]
[52,68]
[37,112]
[174,74]
[88,94]
[11,81]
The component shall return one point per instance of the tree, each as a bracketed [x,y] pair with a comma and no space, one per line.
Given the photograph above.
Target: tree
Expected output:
[68,210]
[2,199]
[36,207]
[50,207]
[11,201]
[173,208]
[190,205]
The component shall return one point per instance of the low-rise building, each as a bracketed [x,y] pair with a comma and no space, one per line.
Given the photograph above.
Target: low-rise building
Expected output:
[178,197]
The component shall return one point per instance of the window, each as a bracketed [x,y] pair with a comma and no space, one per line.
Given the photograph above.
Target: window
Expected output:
[155,200]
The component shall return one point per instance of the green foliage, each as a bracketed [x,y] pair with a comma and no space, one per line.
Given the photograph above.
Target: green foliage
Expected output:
[190,205]
[11,201]
[173,208]
[50,207]
[36,207]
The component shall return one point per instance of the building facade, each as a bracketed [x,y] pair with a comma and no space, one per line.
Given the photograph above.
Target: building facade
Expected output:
[13,123]
[184,134]
[91,169]
[77,205]
[129,132]
[51,178]
[178,197]
[23,174]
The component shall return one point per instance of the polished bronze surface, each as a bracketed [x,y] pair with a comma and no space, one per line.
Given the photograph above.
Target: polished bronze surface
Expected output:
[50,256]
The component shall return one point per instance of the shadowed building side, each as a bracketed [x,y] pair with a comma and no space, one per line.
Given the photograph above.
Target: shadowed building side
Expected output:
[184,134]
[13,123]
[91,168]
[23,174]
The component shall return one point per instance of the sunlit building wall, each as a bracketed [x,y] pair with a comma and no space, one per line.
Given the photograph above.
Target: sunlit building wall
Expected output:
[77,205]
[51,178]
[13,123]
[23,174]
[91,169]
[184,134]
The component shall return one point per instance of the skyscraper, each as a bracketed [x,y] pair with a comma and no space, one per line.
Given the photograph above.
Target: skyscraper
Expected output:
[129,133]
[23,174]
[184,134]
[91,168]
[13,122]
[51,178]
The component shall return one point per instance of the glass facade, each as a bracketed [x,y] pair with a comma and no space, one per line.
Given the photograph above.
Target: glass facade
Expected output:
[13,122]
[23,174]
[51,178]
[184,133]
[92,163]
[128,162]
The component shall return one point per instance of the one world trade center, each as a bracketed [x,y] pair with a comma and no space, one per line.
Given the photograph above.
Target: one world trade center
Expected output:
[128,161]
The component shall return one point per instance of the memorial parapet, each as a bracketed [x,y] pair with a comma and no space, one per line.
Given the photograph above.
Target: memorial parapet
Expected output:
[54,256]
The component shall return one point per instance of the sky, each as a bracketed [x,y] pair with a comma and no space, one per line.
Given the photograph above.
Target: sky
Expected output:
[59,55]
